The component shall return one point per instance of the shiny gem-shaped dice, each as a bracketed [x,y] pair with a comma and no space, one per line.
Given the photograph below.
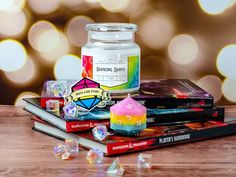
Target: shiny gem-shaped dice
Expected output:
[144,161]
[115,168]
[100,132]
[56,88]
[95,156]
[72,145]
[61,151]
[52,105]
[70,109]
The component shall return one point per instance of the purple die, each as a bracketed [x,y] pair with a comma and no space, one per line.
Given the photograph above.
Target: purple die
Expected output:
[70,109]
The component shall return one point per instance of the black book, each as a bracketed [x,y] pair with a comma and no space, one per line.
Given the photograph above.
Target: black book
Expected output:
[91,119]
[170,93]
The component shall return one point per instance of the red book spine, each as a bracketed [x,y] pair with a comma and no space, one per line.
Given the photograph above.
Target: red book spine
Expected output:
[75,126]
[44,100]
[124,147]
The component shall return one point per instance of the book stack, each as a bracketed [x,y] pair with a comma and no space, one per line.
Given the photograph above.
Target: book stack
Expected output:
[178,111]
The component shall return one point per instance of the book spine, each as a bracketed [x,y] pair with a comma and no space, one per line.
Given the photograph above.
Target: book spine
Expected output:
[190,115]
[76,126]
[167,103]
[155,142]
[45,99]
[179,103]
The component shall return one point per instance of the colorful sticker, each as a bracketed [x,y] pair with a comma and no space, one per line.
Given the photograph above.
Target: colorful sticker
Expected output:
[87,94]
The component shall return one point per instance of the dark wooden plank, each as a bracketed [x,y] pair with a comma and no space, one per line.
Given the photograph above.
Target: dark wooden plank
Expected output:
[24,152]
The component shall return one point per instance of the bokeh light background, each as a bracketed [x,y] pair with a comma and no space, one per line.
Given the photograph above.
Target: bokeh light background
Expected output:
[42,40]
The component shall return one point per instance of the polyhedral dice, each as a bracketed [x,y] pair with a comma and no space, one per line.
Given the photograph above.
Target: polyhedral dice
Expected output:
[56,88]
[70,109]
[95,156]
[144,161]
[100,132]
[72,145]
[115,168]
[52,105]
[61,151]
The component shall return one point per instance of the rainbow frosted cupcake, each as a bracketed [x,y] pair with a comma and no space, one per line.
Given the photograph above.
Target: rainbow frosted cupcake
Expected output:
[128,117]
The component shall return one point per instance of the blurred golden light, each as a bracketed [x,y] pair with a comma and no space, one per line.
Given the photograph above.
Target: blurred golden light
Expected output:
[68,67]
[23,75]
[48,40]
[153,67]
[114,5]
[12,55]
[12,24]
[75,30]
[156,30]
[228,88]
[12,6]
[92,1]
[214,7]
[226,61]
[183,49]
[44,6]
[19,100]
[43,36]
[62,48]
[74,4]
[212,84]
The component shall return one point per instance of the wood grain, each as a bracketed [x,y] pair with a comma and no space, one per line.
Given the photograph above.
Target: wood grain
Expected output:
[24,152]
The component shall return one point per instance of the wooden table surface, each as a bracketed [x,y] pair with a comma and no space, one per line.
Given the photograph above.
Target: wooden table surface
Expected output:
[24,152]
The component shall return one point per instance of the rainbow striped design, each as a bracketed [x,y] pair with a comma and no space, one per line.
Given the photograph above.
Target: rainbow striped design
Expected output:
[133,75]
[127,120]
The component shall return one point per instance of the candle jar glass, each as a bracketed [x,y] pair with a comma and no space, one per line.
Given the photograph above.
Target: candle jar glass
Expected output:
[111,56]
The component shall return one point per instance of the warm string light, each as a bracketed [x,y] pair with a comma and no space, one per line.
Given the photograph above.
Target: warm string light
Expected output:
[156,30]
[213,7]
[68,67]
[43,36]
[13,55]
[24,75]
[183,49]
[19,100]
[44,6]
[226,62]
[211,84]
[75,30]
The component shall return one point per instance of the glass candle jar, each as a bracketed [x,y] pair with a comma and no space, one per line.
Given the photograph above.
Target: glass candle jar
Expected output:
[111,56]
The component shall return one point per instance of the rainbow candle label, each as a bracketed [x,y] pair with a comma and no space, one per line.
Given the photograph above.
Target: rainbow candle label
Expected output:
[87,95]
[114,71]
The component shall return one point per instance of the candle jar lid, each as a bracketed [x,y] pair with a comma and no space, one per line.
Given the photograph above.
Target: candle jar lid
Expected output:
[111,27]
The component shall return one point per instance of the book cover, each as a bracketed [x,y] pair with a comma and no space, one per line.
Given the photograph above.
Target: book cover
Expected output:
[170,93]
[154,116]
[67,124]
[152,137]
[166,93]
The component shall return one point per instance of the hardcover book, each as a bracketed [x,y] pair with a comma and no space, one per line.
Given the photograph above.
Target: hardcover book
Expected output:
[152,137]
[166,93]
[155,116]
[170,93]
[68,124]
